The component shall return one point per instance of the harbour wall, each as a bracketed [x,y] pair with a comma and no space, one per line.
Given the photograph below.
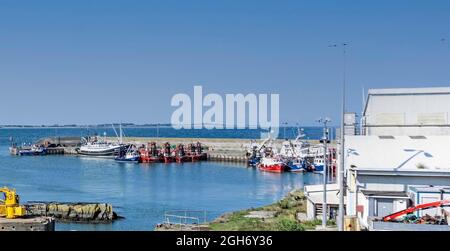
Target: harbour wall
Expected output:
[219,149]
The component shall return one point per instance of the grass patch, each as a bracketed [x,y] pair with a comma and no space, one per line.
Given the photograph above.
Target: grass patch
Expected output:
[285,217]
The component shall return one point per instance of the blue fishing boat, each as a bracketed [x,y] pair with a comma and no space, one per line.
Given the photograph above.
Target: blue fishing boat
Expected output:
[253,161]
[319,164]
[297,165]
[131,155]
[128,157]
[34,150]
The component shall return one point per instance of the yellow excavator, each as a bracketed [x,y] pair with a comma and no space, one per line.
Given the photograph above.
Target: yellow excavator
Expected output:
[9,207]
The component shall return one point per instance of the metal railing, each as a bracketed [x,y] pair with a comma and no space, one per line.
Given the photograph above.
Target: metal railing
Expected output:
[185,218]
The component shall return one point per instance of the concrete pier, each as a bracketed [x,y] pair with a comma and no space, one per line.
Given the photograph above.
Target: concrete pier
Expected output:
[218,149]
[28,224]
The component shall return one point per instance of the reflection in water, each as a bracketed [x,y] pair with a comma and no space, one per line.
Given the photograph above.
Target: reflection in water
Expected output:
[143,192]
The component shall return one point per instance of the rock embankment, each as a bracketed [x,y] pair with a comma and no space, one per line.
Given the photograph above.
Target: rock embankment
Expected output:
[73,212]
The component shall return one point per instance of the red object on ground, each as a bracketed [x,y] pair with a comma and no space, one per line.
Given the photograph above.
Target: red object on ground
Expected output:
[415,208]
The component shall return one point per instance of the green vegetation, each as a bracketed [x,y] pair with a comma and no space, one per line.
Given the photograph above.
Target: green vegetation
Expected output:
[284,217]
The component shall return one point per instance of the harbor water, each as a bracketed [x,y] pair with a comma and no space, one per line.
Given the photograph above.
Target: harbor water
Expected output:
[141,193]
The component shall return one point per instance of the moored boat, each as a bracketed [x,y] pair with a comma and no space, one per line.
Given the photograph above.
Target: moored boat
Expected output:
[34,150]
[131,155]
[274,165]
[98,147]
[150,154]
[296,165]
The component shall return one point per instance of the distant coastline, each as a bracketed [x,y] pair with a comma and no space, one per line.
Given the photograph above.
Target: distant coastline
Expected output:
[84,126]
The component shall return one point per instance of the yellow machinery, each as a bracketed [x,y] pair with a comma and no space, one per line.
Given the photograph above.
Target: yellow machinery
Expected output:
[10,207]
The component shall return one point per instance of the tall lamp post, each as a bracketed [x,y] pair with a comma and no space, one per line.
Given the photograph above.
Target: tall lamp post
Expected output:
[342,140]
[325,122]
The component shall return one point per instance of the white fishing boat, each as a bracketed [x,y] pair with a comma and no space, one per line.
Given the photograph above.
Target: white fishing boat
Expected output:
[100,147]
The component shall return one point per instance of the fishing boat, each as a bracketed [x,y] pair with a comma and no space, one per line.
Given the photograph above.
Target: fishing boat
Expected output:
[150,154]
[319,159]
[98,147]
[131,155]
[256,151]
[296,165]
[34,150]
[167,153]
[146,158]
[274,165]
[180,154]
[319,164]
[195,152]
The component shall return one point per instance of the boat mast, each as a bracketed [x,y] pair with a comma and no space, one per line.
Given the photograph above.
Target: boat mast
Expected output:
[121,134]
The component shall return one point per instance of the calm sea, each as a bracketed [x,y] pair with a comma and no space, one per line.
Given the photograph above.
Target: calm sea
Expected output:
[142,193]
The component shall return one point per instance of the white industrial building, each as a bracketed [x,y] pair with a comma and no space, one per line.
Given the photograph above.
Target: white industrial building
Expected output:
[407,111]
[382,170]
[402,157]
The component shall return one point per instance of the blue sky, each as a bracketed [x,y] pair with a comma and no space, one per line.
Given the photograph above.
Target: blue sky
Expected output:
[105,61]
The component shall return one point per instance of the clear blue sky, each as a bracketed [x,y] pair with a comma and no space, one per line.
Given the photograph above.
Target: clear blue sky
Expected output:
[105,61]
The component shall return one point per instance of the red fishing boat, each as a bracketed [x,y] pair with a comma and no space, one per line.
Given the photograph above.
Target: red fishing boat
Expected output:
[167,153]
[180,154]
[272,165]
[150,154]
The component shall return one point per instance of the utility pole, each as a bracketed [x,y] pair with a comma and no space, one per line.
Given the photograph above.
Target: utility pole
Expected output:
[325,121]
[342,158]
[342,141]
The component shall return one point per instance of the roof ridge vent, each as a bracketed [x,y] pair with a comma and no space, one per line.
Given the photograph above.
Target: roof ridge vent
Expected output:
[417,137]
[386,137]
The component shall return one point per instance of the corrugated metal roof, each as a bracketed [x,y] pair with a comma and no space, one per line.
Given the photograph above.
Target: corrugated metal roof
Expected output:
[432,189]
[393,91]
[385,194]
[402,153]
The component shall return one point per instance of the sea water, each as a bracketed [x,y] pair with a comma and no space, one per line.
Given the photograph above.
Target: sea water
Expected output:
[141,193]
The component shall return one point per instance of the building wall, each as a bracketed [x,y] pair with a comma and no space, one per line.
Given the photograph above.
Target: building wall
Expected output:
[383,183]
[412,114]
[370,203]
[397,183]
[310,210]
[426,197]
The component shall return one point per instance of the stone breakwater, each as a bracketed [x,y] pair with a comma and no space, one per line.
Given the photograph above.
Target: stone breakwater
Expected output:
[73,212]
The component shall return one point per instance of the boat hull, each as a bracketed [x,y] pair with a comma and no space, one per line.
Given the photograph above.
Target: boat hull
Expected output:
[131,159]
[101,153]
[151,159]
[296,168]
[254,161]
[318,168]
[275,168]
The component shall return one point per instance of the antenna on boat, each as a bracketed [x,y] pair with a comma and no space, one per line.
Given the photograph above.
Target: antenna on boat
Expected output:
[117,135]
[121,133]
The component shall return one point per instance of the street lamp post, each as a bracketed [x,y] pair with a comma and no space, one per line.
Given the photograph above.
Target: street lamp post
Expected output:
[325,121]
[342,142]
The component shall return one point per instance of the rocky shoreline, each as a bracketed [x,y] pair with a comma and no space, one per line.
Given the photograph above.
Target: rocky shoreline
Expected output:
[73,212]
